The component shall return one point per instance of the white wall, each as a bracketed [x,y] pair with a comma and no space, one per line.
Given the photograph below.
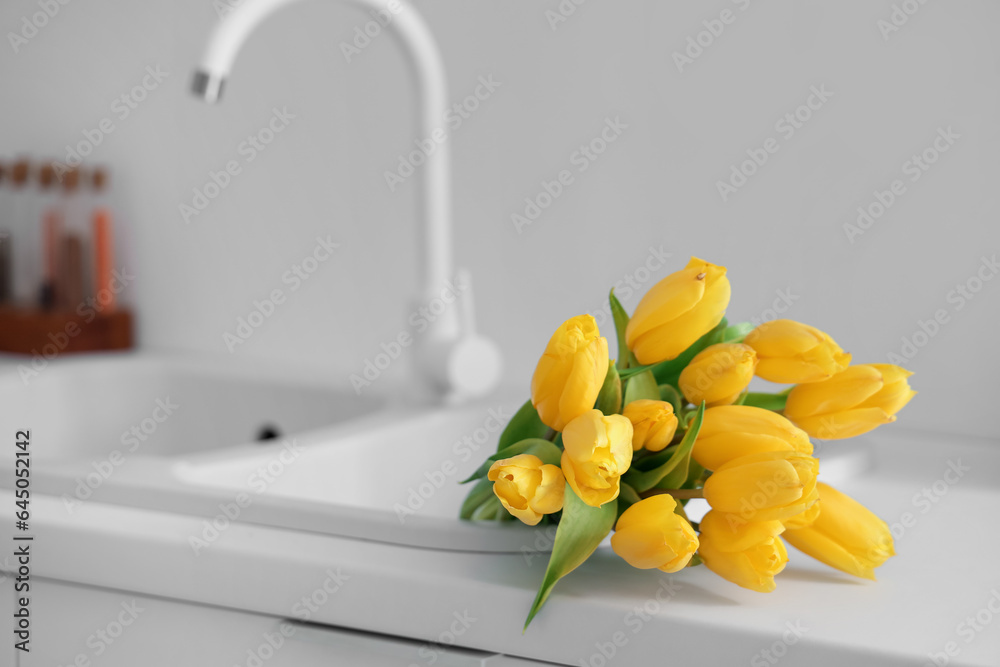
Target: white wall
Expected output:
[656,186]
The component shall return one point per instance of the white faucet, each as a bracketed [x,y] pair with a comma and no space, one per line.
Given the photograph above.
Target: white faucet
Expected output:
[450,356]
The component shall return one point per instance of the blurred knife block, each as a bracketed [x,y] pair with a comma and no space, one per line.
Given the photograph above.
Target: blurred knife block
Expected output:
[37,331]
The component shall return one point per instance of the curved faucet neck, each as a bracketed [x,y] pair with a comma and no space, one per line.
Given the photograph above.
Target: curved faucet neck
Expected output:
[435,231]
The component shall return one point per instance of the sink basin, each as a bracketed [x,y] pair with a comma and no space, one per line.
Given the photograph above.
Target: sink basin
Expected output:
[84,408]
[201,436]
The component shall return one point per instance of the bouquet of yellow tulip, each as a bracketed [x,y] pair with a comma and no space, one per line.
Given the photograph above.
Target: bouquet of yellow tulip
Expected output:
[625,445]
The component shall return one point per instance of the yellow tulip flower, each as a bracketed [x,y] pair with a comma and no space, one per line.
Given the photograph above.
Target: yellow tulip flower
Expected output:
[794,353]
[570,373]
[804,519]
[850,403]
[765,486]
[677,311]
[845,535]
[731,431]
[597,452]
[747,554]
[650,534]
[718,374]
[653,424]
[528,488]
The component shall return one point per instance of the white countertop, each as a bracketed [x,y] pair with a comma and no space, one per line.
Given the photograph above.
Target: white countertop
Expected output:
[945,572]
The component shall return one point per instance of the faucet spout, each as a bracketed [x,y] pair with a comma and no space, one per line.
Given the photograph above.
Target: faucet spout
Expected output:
[448,337]
[207,86]
[412,31]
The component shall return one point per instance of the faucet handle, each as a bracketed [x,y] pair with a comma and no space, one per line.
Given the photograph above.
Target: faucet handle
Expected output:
[466,364]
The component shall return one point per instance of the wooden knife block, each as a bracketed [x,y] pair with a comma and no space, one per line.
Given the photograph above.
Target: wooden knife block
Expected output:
[53,332]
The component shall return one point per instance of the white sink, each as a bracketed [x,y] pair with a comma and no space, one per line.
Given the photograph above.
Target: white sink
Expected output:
[182,434]
[84,408]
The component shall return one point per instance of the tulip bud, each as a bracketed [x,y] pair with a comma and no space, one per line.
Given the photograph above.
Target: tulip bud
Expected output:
[764,487]
[793,353]
[597,452]
[845,535]
[528,488]
[718,374]
[748,554]
[850,403]
[804,519]
[650,534]
[570,373]
[677,311]
[731,431]
[653,424]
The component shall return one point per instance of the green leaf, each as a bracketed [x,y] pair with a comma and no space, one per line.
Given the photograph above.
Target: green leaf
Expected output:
[581,529]
[774,402]
[609,401]
[490,508]
[479,494]
[621,322]
[524,424]
[678,477]
[540,447]
[670,394]
[674,469]
[642,385]
[667,372]
[736,333]
[634,370]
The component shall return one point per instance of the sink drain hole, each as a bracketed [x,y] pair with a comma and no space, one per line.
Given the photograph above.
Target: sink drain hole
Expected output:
[268,432]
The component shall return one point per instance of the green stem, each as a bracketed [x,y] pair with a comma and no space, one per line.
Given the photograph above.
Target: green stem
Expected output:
[775,402]
[680,494]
